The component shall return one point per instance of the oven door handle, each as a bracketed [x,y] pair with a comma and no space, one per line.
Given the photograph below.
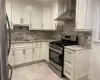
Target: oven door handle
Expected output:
[59,52]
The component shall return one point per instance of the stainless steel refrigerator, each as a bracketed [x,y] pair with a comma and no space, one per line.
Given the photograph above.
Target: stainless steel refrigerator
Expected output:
[4,43]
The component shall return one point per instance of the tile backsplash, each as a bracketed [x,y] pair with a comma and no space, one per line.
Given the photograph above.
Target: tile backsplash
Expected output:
[20,33]
[23,33]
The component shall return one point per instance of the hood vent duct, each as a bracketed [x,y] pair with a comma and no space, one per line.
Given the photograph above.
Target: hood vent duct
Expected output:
[69,15]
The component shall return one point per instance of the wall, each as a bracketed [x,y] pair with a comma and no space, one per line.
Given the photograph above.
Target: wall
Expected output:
[94,73]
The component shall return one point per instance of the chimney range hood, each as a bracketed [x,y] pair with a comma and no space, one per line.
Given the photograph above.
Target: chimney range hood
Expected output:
[69,15]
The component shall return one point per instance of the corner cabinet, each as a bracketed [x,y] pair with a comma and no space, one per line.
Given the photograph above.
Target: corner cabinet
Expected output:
[84,15]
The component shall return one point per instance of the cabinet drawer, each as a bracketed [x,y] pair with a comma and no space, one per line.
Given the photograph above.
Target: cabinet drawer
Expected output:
[68,72]
[69,61]
[69,52]
[22,45]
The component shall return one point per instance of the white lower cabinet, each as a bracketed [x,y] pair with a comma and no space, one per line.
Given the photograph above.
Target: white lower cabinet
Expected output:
[28,55]
[19,56]
[11,58]
[44,51]
[36,54]
[76,62]
[24,53]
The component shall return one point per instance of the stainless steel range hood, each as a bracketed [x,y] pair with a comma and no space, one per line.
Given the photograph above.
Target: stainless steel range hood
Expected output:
[70,13]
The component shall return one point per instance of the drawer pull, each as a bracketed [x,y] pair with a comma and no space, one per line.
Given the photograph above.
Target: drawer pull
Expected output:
[67,72]
[68,61]
[69,53]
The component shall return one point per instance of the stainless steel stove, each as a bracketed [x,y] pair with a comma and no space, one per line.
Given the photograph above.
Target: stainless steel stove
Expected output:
[56,53]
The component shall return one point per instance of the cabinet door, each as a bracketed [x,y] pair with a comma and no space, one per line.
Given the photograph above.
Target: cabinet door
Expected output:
[44,51]
[54,13]
[81,14]
[46,16]
[16,12]
[25,14]
[19,56]
[8,11]
[35,17]
[28,55]
[36,54]
[11,58]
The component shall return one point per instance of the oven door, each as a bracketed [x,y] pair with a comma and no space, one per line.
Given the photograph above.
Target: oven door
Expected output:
[56,56]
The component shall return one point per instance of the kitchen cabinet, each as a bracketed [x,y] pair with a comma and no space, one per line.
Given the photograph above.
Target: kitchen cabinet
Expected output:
[8,11]
[16,12]
[46,16]
[25,13]
[28,54]
[11,58]
[76,62]
[36,17]
[84,15]
[44,51]
[19,56]
[36,51]
[54,15]
[20,13]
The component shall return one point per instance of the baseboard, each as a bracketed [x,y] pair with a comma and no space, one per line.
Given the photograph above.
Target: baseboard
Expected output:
[29,63]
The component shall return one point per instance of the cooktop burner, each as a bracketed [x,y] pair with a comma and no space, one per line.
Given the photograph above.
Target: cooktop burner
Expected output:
[60,43]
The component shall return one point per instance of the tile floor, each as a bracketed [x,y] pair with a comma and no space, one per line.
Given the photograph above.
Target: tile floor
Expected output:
[39,71]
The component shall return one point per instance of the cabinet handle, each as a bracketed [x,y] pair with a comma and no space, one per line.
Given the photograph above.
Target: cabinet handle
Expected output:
[33,50]
[55,25]
[67,72]
[13,52]
[42,25]
[23,51]
[69,53]
[31,25]
[68,61]
[21,20]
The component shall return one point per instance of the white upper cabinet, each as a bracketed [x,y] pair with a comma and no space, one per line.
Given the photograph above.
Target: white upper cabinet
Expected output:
[16,12]
[46,16]
[54,15]
[25,13]
[8,11]
[35,17]
[20,13]
[84,15]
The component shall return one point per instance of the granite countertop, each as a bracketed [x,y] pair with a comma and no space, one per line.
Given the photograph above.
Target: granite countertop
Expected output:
[35,40]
